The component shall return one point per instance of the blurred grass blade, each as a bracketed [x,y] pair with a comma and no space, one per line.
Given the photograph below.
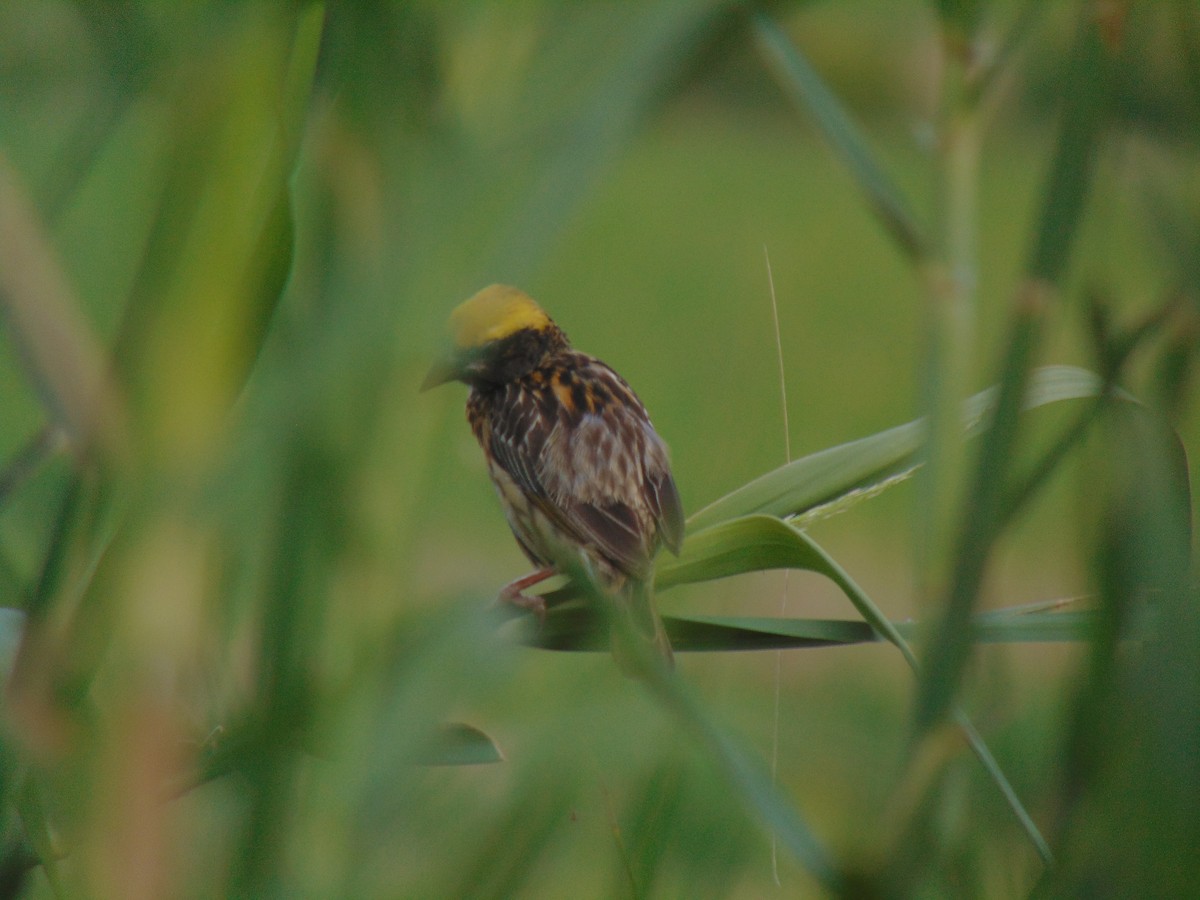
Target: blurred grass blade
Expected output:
[12,627]
[628,76]
[47,441]
[1038,606]
[220,252]
[982,515]
[31,808]
[749,777]
[459,744]
[804,85]
[61,357]
[829,475]
[1016,37]
[961,15]
[1087,94]
[990,765]
[1188,26]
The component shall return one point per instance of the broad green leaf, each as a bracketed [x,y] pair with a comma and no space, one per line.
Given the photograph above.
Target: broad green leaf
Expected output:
[753,543]
[763,541]
[859,467]
[583,629]
[748,544]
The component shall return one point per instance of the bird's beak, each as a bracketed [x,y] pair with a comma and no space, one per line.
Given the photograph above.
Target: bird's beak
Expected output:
[448,368]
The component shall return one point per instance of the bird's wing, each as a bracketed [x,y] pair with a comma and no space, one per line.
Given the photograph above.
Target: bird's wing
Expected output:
[580,446]
[666,505]
[607,470]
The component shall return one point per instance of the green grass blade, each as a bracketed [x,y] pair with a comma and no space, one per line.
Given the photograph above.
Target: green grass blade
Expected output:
[984,754]
[1016,37]
[755,542]
[805,86]
[747,544]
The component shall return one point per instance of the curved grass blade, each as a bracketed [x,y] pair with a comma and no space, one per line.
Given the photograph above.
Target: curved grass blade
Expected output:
[748,544]
[756,542]
[732,546]
[808,550]
[760,542]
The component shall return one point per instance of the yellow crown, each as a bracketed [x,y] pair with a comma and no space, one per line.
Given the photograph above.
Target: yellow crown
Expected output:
[493,314]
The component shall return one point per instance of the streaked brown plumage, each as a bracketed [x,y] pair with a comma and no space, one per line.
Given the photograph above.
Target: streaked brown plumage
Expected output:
[584,479]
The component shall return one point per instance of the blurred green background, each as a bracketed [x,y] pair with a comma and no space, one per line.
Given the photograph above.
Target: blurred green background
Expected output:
[248,548]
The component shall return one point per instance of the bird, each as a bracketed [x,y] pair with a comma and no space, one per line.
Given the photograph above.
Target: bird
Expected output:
[584,479]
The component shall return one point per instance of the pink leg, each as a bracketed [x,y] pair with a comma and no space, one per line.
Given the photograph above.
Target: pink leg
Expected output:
[514,592]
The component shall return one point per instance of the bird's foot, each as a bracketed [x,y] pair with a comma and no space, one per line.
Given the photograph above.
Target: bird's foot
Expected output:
[531,602]
[514,594]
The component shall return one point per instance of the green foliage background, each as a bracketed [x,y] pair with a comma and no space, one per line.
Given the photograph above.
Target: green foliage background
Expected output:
[248,570]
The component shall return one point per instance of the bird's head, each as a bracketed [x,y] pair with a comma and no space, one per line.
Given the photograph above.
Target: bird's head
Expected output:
[497,335]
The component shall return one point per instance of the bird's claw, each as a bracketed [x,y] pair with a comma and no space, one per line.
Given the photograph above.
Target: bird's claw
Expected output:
[534,603]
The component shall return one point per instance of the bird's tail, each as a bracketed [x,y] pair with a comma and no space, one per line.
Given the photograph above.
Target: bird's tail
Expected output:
[638,633]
